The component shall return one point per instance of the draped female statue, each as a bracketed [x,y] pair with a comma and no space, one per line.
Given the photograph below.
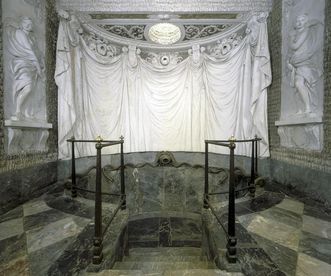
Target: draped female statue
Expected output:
[26,66]
[304,42]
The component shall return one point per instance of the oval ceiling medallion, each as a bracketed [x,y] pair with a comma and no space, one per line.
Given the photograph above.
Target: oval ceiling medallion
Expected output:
[164,33]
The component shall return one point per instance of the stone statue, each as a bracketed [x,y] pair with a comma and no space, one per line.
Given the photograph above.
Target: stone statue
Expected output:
[26,66]
[304,42]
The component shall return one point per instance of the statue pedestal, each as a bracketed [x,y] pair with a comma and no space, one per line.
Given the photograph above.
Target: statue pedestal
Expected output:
[26,136]
[304,132]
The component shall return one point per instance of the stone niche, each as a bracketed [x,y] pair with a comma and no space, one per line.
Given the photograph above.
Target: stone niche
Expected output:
[301,120]
[26,127]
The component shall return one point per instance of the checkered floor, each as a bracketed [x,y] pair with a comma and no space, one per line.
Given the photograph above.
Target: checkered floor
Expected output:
[44,237]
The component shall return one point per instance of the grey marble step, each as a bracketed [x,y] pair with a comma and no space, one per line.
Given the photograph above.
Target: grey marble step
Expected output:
[115,272]
[164,258]
[200,272]
[180,272]
[165,251]
[150,267]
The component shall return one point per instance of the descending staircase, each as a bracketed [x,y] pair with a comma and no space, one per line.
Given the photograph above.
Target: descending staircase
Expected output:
[165,261]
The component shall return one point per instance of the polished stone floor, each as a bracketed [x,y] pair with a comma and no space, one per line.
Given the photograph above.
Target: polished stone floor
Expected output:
[51,235]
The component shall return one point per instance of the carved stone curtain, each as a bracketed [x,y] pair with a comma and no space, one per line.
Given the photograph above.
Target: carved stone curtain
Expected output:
[174,107]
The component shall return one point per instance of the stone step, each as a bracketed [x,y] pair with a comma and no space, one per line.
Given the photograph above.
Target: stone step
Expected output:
[165,251]
[164,258]
[149,267]
[115,272]
[200,272]
[180,272]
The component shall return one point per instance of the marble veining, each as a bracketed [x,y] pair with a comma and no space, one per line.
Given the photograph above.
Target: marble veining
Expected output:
[53,235]
[11,228]
[316,226]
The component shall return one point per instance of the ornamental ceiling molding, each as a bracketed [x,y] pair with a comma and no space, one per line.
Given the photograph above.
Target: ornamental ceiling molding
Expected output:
[165,5]
[98,31]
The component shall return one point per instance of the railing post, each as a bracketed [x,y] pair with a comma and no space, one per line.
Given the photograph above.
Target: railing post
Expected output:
[97,250]
[231,253]
[252,180]
[206,196]
[256,157]
[123,196]
[73,169]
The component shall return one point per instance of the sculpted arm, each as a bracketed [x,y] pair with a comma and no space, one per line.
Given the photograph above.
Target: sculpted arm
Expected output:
[296,40]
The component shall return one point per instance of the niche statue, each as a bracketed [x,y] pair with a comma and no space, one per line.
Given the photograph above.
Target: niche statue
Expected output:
[26,66]
[304,43]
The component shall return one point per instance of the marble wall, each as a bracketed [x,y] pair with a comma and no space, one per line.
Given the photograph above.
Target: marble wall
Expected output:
[299,166]
[150,187]
[301,120]
[27,171]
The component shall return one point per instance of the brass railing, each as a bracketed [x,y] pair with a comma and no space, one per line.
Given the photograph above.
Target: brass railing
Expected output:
[98,231]
[230,232]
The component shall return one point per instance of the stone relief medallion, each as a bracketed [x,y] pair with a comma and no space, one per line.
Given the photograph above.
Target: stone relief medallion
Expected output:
[161,60]
[164,60]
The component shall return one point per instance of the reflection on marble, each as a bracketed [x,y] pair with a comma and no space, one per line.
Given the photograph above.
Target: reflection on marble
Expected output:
[316,226]
[12,214]
[291,205]
[259,203]
[281,233]
[11,228]
[34,207]
[318,211]
[68,205]
[315,246]
[254,261]
[283,257]
[283,216]
[308,266]
[12,248]
[52,233]
[41,260]
[42,219]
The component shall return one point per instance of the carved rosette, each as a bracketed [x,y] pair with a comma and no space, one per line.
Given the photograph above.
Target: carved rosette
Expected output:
[224,46]
[100,46]
[163,59]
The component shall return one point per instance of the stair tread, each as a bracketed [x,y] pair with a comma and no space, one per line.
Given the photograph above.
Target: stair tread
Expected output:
[179,272]
[117,272]
[200,272]
[161,266]
[173,251]
[161,257]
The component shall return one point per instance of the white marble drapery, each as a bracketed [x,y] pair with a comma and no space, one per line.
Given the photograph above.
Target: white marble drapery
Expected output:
[173,108]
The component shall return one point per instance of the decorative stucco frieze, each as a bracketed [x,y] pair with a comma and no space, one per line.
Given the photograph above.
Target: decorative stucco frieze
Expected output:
[165,5]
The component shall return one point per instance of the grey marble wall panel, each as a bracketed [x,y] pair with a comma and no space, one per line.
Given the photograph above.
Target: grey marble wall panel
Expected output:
[192,158]
[304,182]
[22,185]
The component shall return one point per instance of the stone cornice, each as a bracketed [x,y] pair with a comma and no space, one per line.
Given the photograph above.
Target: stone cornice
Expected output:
[181,46]
[165,5]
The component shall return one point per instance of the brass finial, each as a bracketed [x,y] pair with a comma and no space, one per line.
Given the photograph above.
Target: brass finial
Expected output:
[232,139]
[99,138]
[122,138]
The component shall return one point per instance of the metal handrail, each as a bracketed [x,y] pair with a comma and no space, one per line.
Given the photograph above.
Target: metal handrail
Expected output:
[230,232]
[112,217]
[98,231]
